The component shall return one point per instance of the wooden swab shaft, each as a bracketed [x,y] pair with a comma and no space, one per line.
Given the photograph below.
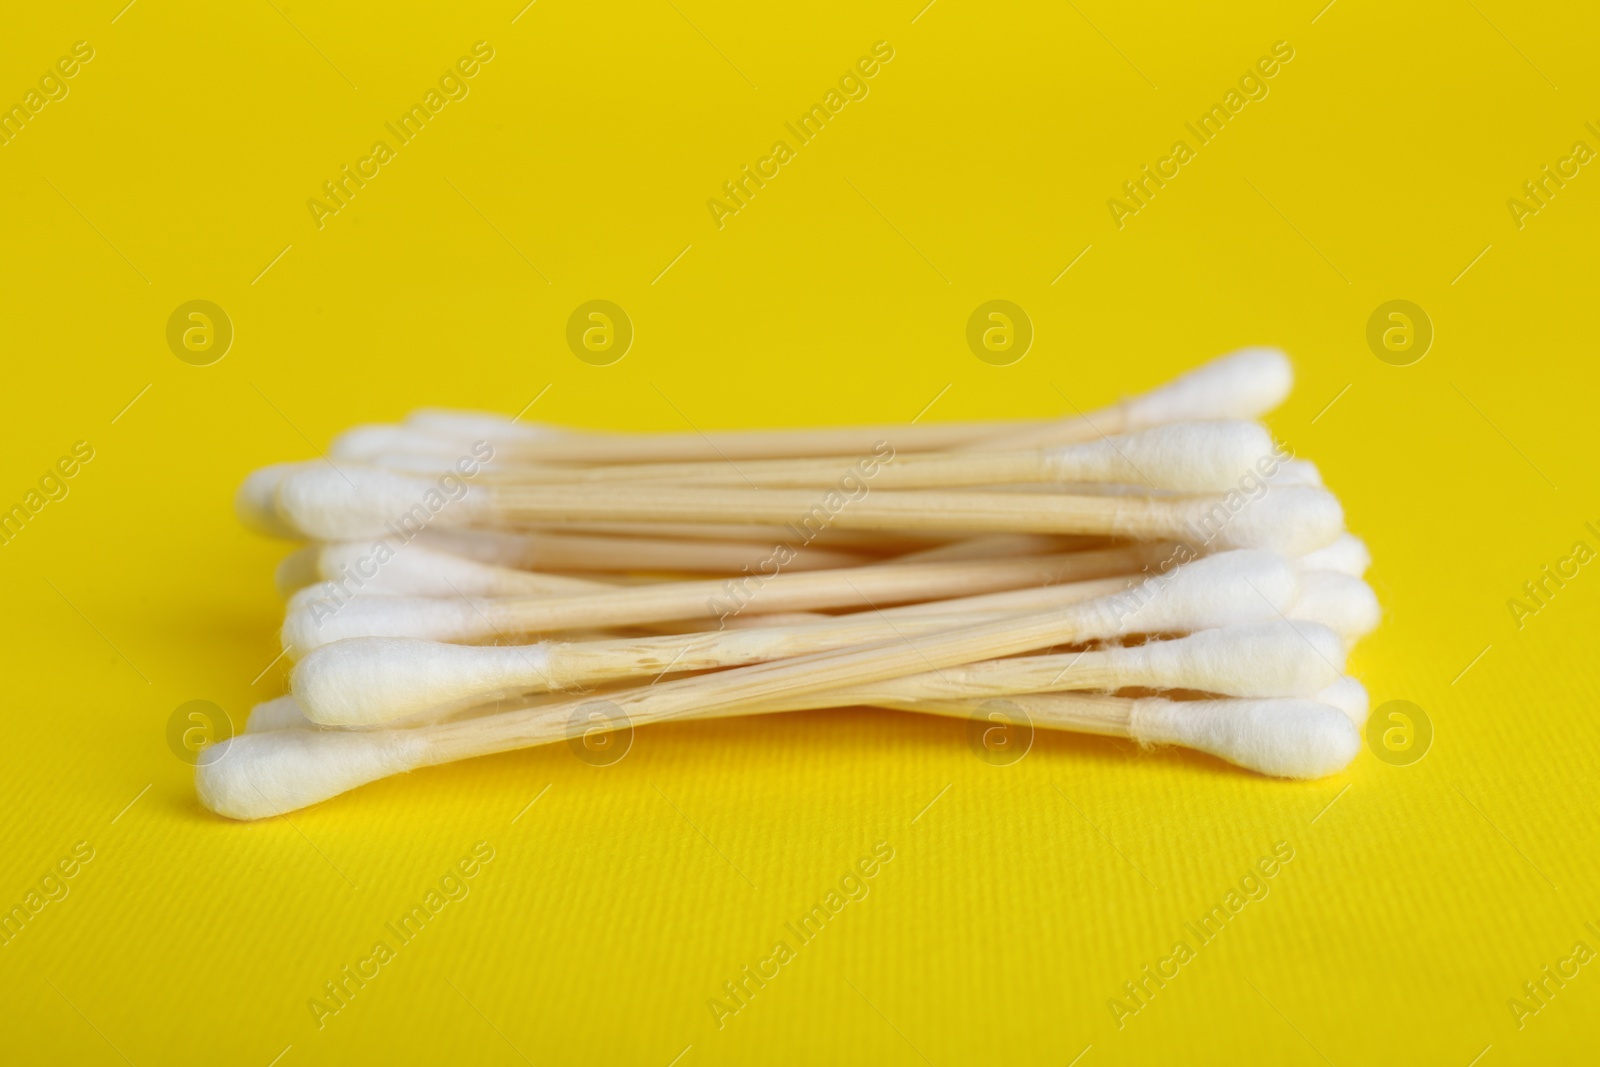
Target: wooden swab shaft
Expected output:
[875,541]
[979,512]
[309,628]
[1014,601]
[543,551]
[1224,589]
[752,686]
[910,471]
[369,681]
[1243,384]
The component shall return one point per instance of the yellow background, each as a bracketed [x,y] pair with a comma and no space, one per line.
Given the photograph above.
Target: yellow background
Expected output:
[978,168]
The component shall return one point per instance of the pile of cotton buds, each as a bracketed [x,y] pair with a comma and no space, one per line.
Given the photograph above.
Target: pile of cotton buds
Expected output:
[1160,570]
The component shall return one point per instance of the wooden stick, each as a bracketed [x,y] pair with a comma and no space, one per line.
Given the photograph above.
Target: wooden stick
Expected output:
[351,568]
[1292,519]
[988,512]
[312,623]
[371,681]
[1015,602]
[760,683]
[1187,457]
[1243,384]
[1139,518]
[277,771]
[580,447]
[374,680]
[911,470]
[1005,546]
[547,551]
[867,541]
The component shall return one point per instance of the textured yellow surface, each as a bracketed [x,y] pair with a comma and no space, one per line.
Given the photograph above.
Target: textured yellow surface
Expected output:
[1018,901]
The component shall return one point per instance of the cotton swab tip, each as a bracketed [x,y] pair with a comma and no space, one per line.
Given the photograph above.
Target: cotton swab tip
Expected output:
[1350,697]
[1346,605]
[375,439]
[279,713]
[1243,385]
[1283,738]
[1184,456]
[352,503]
[297,570]
[258,775]
[369,680]
[1220,590]
[1275,658]
[256,502]
[1293,520]
[479,424]
[312,622]
[1296,472]
[1348,555]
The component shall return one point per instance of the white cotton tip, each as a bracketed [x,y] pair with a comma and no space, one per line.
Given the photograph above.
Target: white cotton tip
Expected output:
[412,463]
[403,570]
[279,713]
[376,439]
[1261,659]
[1283,738]
[311,621]
[1292,520]
[395,568]
[258,775]
[1348,555]
[1243,385]
[1346,605]
[306,596]
[1349,696]
[341,569]
[352,503]
[1296,472]
[365,681]
[1220,590]
[1192,456]
[256,502]
[297,570]
[478,424]
[1142,490]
